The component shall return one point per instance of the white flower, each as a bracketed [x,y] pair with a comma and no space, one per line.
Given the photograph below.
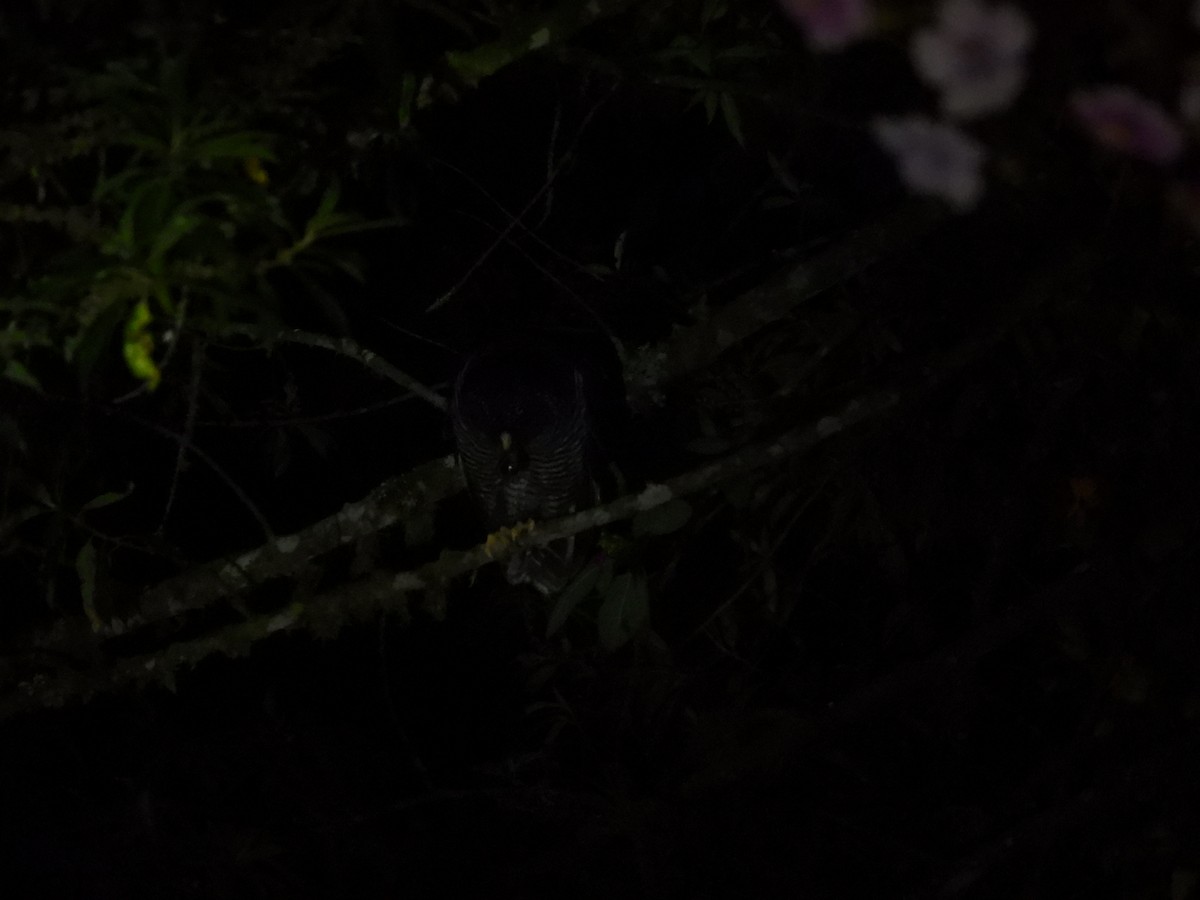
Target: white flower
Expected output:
[975,56]
[934,158]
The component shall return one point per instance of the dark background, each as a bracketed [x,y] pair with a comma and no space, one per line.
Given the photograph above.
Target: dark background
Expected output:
[948,653]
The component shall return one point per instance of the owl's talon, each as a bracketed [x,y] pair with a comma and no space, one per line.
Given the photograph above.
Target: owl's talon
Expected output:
[500,540]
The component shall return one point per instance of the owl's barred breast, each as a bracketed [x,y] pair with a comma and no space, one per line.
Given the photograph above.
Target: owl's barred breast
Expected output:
[524,423]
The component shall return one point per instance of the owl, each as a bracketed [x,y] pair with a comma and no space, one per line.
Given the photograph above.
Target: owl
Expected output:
[524,419]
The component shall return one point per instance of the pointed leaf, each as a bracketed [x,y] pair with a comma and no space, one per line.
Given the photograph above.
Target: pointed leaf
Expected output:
[107,499]
[733,119]
[85,569]
[572,595]
[139,345]
[329,200]
[177,228]
[235,145]
[16,371]
[625,610]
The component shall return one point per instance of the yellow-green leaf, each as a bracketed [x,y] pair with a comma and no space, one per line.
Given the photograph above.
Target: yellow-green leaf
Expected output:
[139,346]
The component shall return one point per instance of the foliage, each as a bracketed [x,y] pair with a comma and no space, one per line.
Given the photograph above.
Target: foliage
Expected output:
[150,207]
[978,588]
[168,221]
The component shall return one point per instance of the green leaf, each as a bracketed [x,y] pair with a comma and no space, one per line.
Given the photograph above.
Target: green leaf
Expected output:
[625,610]
[147,143]
[572,595]
[117,184]
[144,215]
[329,223]
[12,436]
[139,346]
[669,517]
[713,10]
[325,208]
[86,570]
[235,145]
[106,499]
[95,341]
[16,371]
[176,229]
[408,96]
[347,223]
[475,65]
[18,517]
[783,175]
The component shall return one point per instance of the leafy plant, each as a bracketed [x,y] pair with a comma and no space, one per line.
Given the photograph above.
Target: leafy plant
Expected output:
[162,207]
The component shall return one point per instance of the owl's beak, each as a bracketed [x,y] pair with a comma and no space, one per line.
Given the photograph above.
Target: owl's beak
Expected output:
[509,463]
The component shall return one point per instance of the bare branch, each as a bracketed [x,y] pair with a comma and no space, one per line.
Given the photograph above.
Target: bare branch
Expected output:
[695,347]
[368,358]
[382,591]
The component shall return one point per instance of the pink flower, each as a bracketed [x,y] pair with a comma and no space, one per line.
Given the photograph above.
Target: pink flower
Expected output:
[830,24]
[975,56]
[934,158]
[1123,120]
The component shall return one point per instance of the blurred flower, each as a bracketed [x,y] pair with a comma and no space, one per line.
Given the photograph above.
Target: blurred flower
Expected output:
[975,56]
[934,158]
[1123,120]
[830,24]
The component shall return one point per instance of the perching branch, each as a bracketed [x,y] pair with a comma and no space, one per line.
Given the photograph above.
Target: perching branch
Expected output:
[409,499]
[395,592]
[412,495]
[697,346]
[406,500]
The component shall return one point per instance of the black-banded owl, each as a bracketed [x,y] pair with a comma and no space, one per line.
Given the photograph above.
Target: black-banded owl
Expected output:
[528,419]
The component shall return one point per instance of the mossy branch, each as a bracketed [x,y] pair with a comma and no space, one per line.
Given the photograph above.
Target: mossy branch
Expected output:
[382,591]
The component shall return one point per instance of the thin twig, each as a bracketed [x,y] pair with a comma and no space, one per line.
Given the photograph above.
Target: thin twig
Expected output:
[515,221]
[189,445]
[350,348]
[189,431]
